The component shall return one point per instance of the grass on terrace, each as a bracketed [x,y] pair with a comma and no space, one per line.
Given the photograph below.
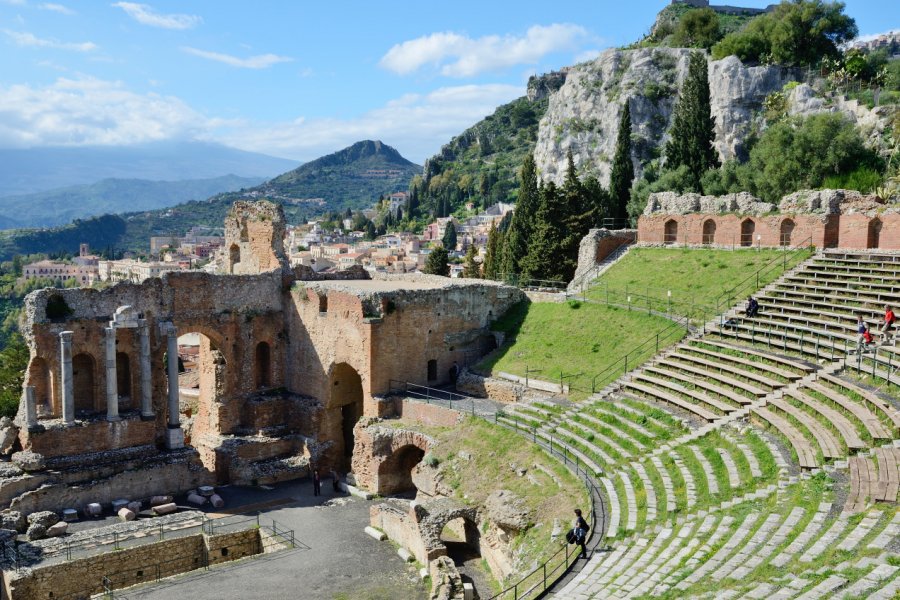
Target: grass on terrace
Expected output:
[579,340]
[694,276]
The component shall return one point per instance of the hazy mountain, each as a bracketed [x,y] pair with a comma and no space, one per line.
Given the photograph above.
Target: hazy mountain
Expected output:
[58,207]
[25,171]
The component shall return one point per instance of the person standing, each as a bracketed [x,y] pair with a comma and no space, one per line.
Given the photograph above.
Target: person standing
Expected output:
[889,319]
[861,330]
[335,479]
[581,531]
[317,483]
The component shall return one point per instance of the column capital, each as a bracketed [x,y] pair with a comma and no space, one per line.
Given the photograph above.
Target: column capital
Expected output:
[167,328]
[66,336]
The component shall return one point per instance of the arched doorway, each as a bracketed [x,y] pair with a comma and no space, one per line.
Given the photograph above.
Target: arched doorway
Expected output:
[263,365]
[709,232]
[787,229]
[873,240]
[395,474]
[463,542]
[234,257]
[670,233]
[748,228]
[123,379]
[83,383]
[40,377]
[345,407]
[202,382]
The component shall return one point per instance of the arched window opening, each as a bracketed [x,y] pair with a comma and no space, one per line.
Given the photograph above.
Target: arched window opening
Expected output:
[874,234]
[709,232]
[748,228]
[787,230]
[670,235]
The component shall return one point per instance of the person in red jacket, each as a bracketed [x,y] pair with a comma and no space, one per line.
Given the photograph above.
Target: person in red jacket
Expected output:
[889,320]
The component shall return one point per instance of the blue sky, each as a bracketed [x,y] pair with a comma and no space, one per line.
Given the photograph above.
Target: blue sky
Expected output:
[296,79]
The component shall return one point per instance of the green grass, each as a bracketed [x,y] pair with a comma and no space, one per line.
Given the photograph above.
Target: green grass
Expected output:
[694,276]
[548,339]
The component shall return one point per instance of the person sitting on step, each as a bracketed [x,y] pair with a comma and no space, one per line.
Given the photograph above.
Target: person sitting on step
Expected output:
[752,307]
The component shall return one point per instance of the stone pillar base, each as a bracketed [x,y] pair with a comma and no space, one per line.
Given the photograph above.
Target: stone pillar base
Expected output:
[150,417]
[113,418]
[174,438]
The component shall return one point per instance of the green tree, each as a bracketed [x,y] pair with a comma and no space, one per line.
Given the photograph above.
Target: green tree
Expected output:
[599,201]
[545,258]
[622,168]
[800,32]
[437,262]
[490,266]
[13,362]
[471,269]
[449,238]
[697,29]
[574,212]
[693,126]
[371,234]
[518,234]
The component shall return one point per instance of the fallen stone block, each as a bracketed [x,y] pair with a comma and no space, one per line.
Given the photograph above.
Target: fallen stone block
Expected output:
[57,530]
[93,510]
[13,519]
[9,433]
[405,555]
[355,491]
[43,517]
[206,490]
[378,535]
[157,500]
[165,509]
[423,573]
[120,503]
[134,507]
[217,501]
[468,591]
[196,499]
[126,515]
[69,515]
[28,461]
[36,531]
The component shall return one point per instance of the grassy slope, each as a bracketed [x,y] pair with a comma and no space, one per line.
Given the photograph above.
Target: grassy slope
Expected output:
[557,337]
[695,276]
[493,450]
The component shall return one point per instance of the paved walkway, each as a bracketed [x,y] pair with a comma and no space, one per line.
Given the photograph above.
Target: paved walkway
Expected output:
[342,562]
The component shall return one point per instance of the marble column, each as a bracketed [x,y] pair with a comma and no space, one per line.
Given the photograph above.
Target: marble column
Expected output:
[174,433]
[146,375]
[112,381]
[30,408]
[66,384]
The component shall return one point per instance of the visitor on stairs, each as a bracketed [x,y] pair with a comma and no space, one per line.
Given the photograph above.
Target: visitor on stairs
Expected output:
[861,329]
[889,319]
[581,531]
[752,307]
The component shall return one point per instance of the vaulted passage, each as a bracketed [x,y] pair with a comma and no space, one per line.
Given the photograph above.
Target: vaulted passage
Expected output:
[395,474]
[123,379]
[748,228]
[83,383]
[345,407]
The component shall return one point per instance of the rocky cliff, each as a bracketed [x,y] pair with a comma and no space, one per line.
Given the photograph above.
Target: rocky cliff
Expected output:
[583,116]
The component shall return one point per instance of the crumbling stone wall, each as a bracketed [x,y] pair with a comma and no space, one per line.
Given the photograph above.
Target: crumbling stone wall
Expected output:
[254,238]
[377,460]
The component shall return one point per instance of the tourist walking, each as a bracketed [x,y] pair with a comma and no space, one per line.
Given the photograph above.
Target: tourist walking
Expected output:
[889,319]
[317,483]
[861,331]
[581,531]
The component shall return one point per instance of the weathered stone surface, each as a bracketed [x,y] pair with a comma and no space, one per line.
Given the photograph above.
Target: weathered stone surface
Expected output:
[28,461]
[57,529]
[507,511]
[13,519]
[830,202]
[8,435]
[7,535]
[672,203]
[216,501]
[126,514]
[157,500]
[94,509]
[36,531]
[119,504]
[596,246]
[44,517]
[134,507]
[196,499]
[375,534]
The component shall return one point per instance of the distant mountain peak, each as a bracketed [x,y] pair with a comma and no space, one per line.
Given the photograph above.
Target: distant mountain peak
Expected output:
[365,150]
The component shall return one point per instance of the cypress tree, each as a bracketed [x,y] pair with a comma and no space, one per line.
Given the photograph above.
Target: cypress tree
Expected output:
[437,264]
[622,169]
[693,127]
[449,238]
[520,226]
[545,259]
[574,212]
[490,257]
[470,267]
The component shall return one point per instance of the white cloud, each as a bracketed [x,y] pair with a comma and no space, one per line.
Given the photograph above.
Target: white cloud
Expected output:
[587,55]
[25,39]
[461,56]
[873,36]
[59,8]
[261,61]
[416,124]
[145,15]
[89,111]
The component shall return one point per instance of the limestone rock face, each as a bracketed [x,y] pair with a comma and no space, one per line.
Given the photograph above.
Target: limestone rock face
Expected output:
[507,511]
[13,519]
[583,116]
[804,101]
[829,202]
[672,203]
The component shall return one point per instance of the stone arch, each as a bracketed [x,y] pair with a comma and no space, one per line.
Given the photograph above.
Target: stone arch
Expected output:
[670,232]
[262,375]
[234,257]
[205,382]
[709,232]
[435,515]
[873,238]
[83,383]
[785,232]
[395,475]
[123,378]
[748,228]
[40,377]
[343,409]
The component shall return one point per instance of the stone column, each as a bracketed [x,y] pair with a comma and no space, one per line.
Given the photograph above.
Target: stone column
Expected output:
[174,433]
[146,375]
[30,408]
[112,382]
[66,385]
